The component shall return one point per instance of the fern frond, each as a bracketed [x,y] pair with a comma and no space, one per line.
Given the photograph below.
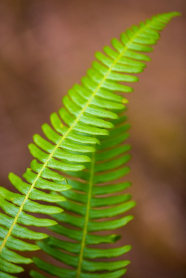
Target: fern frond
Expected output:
[87,206]
[88,111]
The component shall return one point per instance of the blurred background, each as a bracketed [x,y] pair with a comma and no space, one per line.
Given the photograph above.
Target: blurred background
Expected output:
[46,47]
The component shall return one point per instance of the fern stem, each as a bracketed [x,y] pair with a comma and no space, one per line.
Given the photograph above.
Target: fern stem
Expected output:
[87,216]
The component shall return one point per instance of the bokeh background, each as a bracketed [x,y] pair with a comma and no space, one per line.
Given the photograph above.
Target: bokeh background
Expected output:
[46,47]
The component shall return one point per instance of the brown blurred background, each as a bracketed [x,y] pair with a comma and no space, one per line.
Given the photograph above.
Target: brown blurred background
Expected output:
[47,46]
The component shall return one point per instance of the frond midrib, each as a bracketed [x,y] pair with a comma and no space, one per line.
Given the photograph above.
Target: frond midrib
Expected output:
[87,216]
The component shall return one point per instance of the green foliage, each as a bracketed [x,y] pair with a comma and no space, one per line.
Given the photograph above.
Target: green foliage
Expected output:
[95,203]
[88,111]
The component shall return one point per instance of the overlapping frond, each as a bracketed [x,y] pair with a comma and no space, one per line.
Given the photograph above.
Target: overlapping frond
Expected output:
[94,204]
[88,112]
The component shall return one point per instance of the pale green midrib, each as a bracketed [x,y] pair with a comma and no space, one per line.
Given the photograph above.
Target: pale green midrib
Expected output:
[70,129]
[87,216]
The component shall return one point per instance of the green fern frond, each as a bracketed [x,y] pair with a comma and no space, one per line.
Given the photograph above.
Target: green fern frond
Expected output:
[88,112]
[94,197]
[93,207]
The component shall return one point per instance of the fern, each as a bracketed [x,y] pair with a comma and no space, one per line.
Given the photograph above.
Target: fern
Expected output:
[93,207]
[88,112]
[95,199]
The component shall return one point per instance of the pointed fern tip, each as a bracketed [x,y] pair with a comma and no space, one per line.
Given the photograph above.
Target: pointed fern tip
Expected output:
[129,247]
[45,236]
[52,223]
[134,203]
[88,159]
[31,144]
[174,14]
[124,100]
[115,238]
[10,174]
